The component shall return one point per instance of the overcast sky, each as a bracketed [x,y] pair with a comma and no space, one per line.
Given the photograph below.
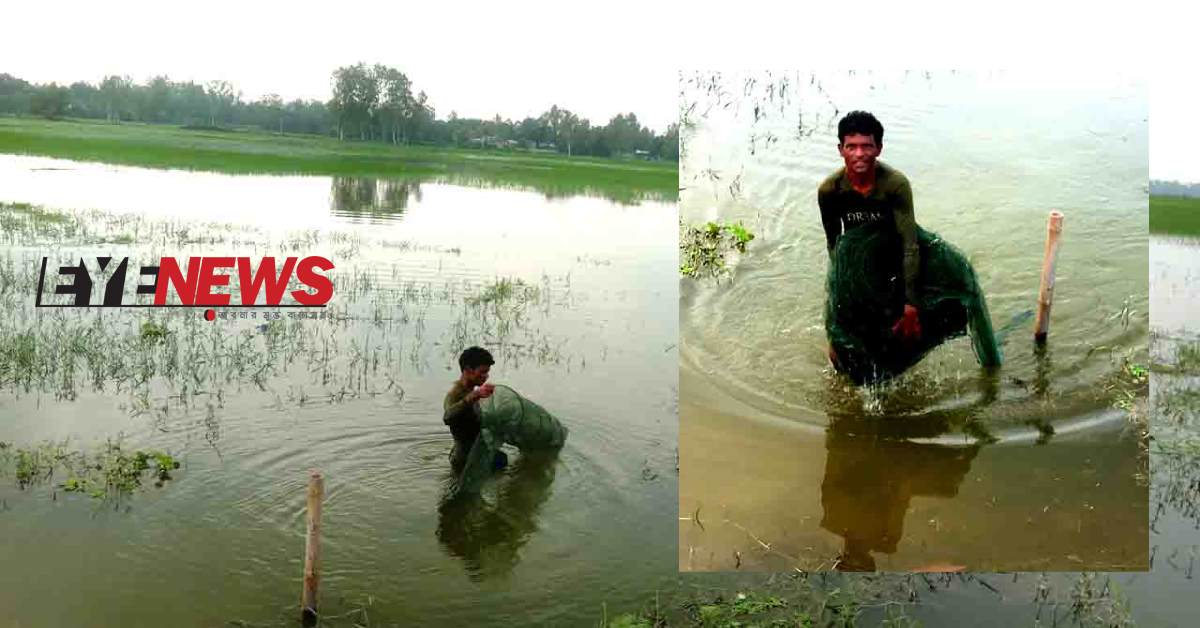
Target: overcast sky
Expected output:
[1175,127]
[478,59]
[517,58]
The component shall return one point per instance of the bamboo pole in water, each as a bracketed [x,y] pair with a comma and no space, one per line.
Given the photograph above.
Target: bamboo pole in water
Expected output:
[312,547]
[1046,292]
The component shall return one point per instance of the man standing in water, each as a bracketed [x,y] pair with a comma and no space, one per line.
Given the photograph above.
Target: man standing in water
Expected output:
[864,191]
[459,411]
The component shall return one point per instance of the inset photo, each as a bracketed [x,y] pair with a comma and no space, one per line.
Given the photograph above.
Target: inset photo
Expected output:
[913,321]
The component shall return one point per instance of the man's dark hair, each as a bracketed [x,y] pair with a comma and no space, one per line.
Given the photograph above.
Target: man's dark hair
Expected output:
[475,357]
[860,123]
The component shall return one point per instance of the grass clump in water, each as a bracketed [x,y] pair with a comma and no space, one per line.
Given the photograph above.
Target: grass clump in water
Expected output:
[504,291]
[704,249]
[31,466]
[153,332]
[108,473]
[24,220]
[1187,357]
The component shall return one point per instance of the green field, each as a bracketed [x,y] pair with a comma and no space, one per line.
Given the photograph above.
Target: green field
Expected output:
[256,152]
[1175,215]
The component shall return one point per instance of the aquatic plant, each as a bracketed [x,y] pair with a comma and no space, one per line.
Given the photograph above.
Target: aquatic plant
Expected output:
[703,250]
[153,332]
[107,473]
[505,290]
[886,599]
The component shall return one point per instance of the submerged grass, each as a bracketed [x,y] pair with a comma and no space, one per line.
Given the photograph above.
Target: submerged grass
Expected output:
[106,474]
[174,361]
[247,152]
[810,600]
[703,250]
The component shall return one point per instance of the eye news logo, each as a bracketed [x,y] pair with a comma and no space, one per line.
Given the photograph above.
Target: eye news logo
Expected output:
[196,287]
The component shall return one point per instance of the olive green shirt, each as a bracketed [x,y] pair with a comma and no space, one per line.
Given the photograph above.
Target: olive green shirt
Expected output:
[460,415]
[843,208]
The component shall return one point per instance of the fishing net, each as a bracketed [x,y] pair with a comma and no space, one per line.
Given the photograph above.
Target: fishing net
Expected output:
[507,417]
[865,289]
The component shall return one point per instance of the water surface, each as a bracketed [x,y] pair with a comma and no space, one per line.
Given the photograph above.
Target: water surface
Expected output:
[1032,468]
[574,296]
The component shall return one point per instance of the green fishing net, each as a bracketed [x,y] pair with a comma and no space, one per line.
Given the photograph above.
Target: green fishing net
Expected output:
[865,298]
[507,417]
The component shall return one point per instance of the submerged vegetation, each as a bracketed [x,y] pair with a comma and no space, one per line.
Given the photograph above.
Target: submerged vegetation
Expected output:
[812,600]
[703,250]
[108,473]
[62,351]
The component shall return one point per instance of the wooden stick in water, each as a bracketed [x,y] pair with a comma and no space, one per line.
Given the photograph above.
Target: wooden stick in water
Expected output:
[1046,292]
[312,549]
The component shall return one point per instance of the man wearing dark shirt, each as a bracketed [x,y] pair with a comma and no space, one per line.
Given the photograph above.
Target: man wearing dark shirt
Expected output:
[866,190]
[459,412]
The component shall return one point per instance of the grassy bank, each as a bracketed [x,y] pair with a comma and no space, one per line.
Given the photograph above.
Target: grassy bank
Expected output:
[1175,215]
[252,152]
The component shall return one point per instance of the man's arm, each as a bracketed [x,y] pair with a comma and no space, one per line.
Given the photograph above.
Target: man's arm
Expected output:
[829,218]
[453,409]
[906,225]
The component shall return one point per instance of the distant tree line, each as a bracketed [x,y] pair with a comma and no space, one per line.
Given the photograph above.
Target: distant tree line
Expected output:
[1174,188]
[369,104]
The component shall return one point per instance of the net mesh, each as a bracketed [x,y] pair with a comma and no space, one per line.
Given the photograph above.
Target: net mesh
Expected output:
[507,417]
[865,298]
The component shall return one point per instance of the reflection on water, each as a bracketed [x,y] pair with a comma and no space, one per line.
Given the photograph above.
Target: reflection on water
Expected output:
[488,537]
[869,483]
[350,196]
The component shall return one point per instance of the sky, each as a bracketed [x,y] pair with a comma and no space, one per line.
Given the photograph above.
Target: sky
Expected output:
[519,57]
[475,60]
[1175,129]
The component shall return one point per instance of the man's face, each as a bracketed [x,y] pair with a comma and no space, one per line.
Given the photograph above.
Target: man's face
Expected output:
[859,152]
[478,375]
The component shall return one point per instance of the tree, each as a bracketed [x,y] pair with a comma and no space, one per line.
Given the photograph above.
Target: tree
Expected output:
[562,124]
[15,94]
[49,101]
[153,99]
[624,133]
[85,100]
[355,98]
[421,120]
[116,91]
[273,105]
[221,101]
[669,148]
[189,102]
[395,101]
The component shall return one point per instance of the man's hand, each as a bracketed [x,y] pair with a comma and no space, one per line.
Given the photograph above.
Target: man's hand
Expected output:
[483,392]
[909,326]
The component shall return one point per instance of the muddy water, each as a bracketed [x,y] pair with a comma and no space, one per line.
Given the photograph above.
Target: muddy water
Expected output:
[574,296]
[790,466]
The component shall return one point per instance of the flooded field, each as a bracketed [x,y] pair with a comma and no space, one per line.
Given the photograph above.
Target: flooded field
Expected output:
[1039,467]
[574,295]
